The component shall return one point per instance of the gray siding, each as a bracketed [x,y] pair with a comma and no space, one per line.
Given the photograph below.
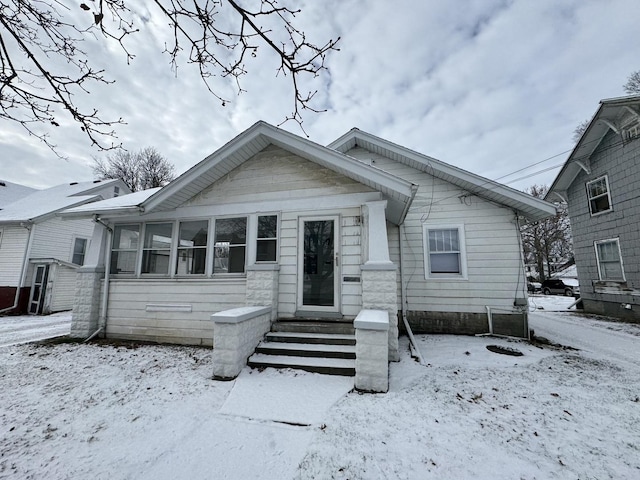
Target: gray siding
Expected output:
[620,163]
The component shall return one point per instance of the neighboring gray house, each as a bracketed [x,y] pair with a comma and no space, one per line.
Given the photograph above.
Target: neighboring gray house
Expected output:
[600,182]
[309,232]
[39,252]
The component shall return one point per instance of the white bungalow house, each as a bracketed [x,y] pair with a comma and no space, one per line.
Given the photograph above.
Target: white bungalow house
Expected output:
[39,252]
[309,232]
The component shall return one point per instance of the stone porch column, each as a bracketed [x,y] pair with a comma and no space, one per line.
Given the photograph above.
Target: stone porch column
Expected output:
[85,316]
[262,286]
[379,283]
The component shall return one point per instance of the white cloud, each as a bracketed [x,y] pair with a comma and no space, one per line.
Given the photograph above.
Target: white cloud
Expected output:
[489,86]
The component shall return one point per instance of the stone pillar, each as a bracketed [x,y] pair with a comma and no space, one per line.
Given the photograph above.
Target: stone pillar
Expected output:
[85,317]
[86,303]
[379,284]
[262,286]
[372,361]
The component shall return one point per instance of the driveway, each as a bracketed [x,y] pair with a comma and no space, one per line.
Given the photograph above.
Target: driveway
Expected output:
[32,328]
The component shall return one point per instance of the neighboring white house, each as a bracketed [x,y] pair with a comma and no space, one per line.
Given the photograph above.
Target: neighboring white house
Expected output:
[313,232]
[40,252]
[10,192]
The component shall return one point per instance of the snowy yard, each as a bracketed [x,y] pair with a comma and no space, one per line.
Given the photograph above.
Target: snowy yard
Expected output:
[107,411]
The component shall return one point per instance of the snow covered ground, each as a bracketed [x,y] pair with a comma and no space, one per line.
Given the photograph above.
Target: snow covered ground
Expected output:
[31,328]
[109,411]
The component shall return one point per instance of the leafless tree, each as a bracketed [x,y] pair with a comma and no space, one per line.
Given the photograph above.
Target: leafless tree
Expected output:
[140,171]
[45,74]
[579,130]
[632,87]
[547,241]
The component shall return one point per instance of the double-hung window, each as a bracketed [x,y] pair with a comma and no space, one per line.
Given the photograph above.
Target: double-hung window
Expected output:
[230,245]
[609,260]
[599,195]
[156,250]
[444,252]
[124,249]
[79,251]
[267,238]
[192,247]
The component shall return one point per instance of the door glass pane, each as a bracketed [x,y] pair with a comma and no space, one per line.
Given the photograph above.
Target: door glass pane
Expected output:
[318,284]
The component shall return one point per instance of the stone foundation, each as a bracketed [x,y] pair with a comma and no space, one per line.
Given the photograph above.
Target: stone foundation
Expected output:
[514,325]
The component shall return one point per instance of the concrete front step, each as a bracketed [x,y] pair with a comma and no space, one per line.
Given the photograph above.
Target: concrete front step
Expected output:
[321,350]
[329,366]
[310,338]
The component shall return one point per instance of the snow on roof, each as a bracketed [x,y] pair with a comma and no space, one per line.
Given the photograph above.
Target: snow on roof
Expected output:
[51,200]
[122,202]
[10,192]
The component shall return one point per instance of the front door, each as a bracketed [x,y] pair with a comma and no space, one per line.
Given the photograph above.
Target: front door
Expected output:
[318,264]
[38,289]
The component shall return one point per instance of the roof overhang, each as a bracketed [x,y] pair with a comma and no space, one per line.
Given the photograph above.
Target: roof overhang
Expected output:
[398,192]
[613,114]
[527,206]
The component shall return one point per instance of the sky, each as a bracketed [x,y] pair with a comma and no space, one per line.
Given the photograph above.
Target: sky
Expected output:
[495,87]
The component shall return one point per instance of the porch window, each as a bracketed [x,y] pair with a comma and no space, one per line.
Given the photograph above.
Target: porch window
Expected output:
[157,248]
[267,240]
[124,249]
[79,251]
[444,252]
[230,245]
[599,196]
[609,260]
[192,247]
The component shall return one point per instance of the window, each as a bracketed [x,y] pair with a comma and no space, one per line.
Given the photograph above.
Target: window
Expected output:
[157,248]
[631,132]
[79,250]
[124,249]
[609,260]
[230,245]
[267,240]
[598,194]
[444,252]
[192,247]
[116,191]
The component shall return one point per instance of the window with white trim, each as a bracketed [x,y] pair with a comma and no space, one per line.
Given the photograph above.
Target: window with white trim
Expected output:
[192,247]
[124,250]
[156,250]
[267,238]
[599,195]
[609,260]
[444,251]
[229,252]
[79,250]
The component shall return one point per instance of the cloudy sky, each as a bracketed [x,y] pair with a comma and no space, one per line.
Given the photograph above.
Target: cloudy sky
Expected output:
[491,86]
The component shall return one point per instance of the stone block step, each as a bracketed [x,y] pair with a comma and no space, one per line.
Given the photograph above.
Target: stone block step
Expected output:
[327,366]
[307,350]
[303,337]
[344,328]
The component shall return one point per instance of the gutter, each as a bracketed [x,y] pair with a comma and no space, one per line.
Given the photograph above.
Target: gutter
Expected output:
[25,265]
[403,296]
[102,320]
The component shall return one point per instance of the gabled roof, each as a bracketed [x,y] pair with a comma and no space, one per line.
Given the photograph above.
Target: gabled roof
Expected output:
[526,205]
[398,192]
[43,203]
[11,192]
[612,114]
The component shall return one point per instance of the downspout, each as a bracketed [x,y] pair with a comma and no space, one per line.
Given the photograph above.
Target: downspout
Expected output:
[25,265]
[102,321]
[403,296]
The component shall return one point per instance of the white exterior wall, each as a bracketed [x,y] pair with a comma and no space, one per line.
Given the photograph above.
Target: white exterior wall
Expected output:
[63,289]
[170,311]
[493,250]
[53,238]
[12,251]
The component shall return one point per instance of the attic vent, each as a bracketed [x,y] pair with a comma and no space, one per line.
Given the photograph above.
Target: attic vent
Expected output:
[73,183]
[632,132]
[97,181]
[2,184]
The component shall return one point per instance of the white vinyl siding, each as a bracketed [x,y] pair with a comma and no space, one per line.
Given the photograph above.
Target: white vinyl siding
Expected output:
[14,243]
[609,260]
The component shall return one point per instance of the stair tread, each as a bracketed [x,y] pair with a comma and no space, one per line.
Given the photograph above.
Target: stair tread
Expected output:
[316,347]
[303,361]
[340,336]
